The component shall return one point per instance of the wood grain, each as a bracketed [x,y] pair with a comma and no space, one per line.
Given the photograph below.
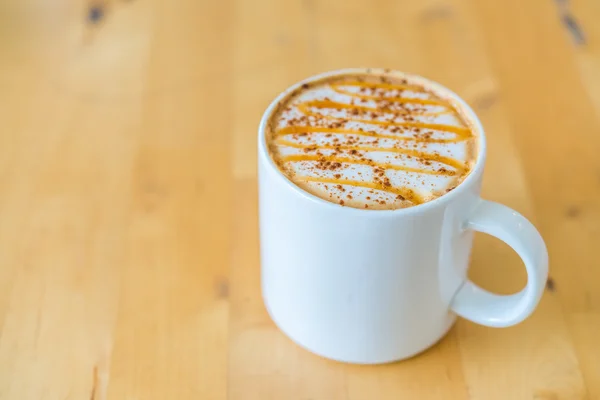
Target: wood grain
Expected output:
[129,263]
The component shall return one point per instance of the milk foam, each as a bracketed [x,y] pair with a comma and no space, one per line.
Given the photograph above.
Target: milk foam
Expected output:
[371,144]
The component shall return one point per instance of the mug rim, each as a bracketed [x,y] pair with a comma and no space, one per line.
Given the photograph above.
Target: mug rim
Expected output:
[471,178]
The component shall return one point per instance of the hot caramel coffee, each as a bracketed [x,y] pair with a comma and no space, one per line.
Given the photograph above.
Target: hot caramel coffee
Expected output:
[372,140]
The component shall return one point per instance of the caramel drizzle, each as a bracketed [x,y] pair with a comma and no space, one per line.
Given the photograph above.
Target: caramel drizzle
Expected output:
[338,87]
[406,193]
[307,107]
[291,130]
[349,160]
[377,85]
[413,153]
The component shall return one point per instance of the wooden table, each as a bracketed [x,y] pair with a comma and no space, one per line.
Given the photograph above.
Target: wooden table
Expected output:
[128,212]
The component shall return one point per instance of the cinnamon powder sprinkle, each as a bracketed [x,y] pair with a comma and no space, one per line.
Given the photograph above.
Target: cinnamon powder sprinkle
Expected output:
[394,124]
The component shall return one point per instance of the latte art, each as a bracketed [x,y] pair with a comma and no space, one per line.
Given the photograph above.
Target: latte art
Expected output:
[371,141]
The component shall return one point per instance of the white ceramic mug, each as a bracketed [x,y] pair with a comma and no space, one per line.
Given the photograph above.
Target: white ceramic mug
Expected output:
[366,286]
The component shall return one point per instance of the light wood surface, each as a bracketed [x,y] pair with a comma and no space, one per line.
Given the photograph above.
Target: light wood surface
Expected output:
[128,228]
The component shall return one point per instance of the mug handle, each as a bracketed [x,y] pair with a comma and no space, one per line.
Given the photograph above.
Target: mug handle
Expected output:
[485,308]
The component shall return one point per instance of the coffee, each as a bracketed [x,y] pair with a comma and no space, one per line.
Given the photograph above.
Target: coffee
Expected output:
[372,140]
